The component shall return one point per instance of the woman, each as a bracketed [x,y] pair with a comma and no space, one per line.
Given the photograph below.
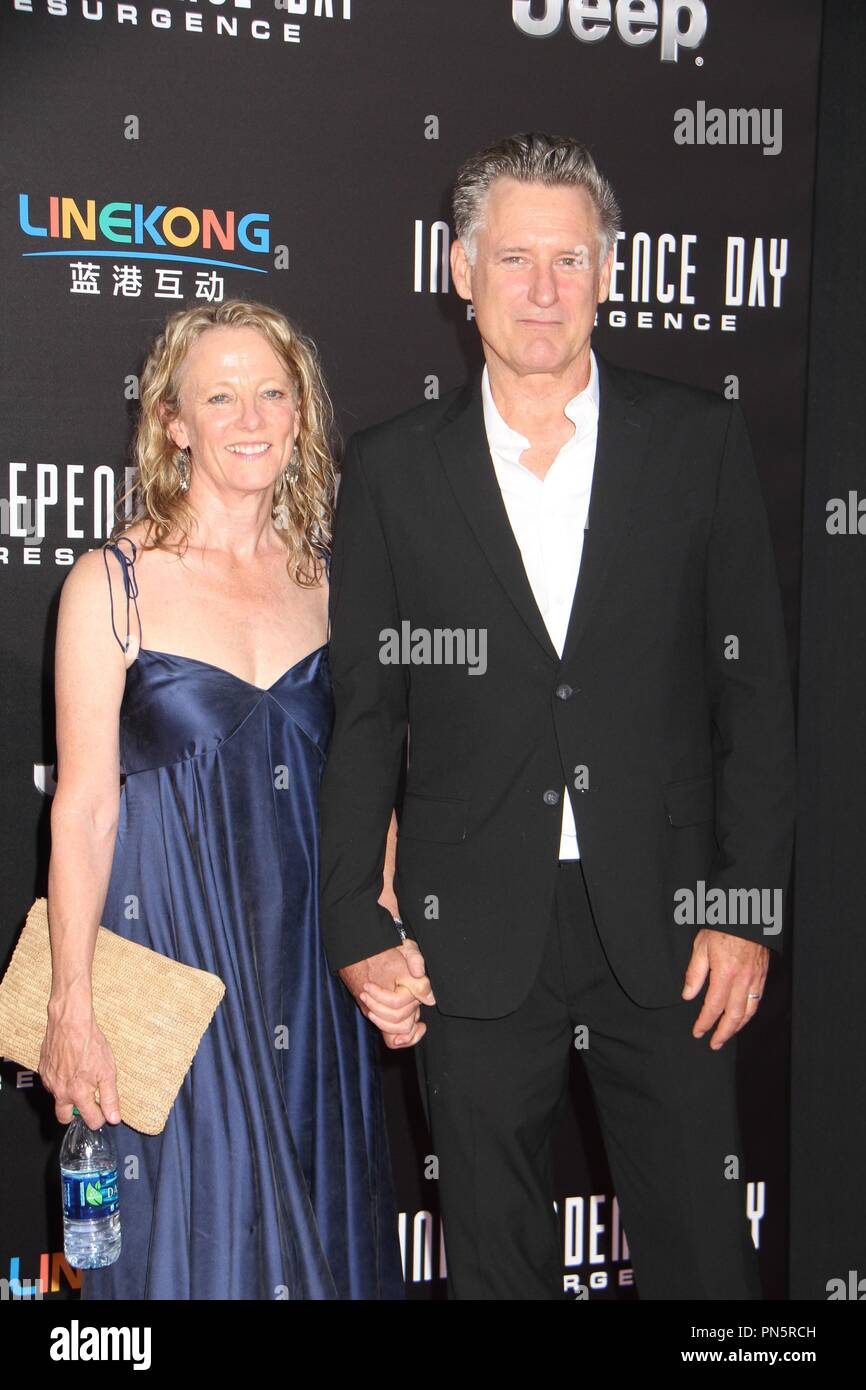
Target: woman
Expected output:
[207,696]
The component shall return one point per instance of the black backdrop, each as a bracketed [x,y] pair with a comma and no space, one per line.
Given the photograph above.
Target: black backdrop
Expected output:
[335,128]
[828,1118]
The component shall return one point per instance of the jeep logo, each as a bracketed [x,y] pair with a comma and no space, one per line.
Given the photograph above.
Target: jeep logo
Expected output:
[683,22]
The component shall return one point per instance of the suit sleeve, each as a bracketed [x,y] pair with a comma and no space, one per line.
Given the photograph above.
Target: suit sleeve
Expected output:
[750,691]
[364,762]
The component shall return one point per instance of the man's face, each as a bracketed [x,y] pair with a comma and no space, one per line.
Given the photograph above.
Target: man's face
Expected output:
[536,282]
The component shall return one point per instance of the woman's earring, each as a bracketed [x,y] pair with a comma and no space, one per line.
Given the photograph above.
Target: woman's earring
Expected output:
[293,467]
[181,463]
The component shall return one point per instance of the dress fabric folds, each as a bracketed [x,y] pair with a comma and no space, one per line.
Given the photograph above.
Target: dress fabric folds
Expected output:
[272,1177]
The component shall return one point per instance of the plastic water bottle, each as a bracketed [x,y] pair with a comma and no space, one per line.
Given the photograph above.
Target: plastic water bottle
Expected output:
[91,1199]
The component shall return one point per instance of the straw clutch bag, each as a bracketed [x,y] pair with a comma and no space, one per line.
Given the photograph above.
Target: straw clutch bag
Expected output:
[152,1010]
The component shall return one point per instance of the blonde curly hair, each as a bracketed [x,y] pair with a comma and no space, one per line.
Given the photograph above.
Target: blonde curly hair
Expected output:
[303,509]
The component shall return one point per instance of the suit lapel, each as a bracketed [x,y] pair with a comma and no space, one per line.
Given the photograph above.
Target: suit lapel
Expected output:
[465,453]
[623,434]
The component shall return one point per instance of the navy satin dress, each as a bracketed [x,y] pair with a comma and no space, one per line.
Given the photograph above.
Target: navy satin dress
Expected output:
[272,1176]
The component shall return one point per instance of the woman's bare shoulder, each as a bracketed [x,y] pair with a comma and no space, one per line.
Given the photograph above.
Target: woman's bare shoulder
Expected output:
[95,582]
[89,568]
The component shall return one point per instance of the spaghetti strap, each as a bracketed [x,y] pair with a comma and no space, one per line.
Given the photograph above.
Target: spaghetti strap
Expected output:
[130,584]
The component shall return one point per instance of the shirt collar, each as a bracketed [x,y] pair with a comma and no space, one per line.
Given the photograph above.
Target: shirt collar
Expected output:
[509,442]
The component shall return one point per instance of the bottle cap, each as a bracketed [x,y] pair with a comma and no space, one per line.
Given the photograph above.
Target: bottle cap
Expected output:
[75,1110]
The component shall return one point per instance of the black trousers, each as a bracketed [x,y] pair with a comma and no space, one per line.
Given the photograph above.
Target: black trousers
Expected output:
[666,1106]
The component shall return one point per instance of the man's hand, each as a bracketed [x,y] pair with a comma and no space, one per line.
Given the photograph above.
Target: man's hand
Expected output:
[737,969]
[387,989]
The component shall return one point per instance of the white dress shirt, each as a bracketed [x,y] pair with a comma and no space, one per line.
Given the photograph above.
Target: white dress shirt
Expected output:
[548,516]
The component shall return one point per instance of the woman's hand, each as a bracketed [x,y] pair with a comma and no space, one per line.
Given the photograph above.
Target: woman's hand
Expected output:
[75,1061]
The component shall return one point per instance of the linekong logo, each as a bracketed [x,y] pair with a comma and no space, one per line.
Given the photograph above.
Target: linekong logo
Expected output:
[683,23]
[130,229]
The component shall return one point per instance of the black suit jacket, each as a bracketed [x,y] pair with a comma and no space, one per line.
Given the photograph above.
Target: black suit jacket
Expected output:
[689,751]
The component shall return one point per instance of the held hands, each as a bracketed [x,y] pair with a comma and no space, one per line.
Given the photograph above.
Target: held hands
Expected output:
[388,989]
[737,969]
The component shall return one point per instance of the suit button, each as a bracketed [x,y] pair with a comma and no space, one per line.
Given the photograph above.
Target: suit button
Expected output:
[551,798]
[563,692]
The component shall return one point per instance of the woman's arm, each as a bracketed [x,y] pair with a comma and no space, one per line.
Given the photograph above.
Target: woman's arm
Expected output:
[376,1000]
[388,898]
[89,677]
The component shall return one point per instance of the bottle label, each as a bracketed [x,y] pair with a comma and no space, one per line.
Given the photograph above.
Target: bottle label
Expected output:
[90,1196]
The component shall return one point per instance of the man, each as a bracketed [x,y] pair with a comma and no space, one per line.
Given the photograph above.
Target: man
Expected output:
[623,749]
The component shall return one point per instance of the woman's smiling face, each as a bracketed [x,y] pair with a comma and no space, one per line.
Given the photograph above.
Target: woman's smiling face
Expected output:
[238,413]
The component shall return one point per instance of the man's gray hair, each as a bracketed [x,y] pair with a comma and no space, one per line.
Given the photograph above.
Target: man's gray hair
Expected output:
[532,157]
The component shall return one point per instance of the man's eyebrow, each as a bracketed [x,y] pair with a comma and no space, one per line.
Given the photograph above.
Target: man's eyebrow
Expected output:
[563,250]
